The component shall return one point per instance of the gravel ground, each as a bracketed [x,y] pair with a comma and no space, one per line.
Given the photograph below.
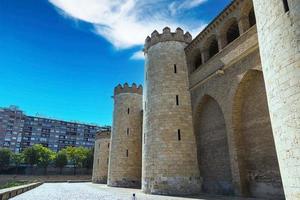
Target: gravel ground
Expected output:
[89,191]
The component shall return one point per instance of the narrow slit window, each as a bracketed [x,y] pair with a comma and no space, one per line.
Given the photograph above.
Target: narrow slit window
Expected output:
[179,134]
[108,145]
[286,5]
[177,100]
[128,111]
[127,132]
[107,160]
[126,152]
[175,68]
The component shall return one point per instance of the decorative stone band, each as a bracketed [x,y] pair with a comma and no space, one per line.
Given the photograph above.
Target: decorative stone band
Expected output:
[127,89]
[102,135]
[167,35]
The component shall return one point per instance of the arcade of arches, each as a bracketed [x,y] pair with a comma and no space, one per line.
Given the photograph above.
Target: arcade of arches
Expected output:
[254,143]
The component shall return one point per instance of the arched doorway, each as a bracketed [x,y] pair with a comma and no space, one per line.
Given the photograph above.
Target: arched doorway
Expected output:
[252,121]
[212,148]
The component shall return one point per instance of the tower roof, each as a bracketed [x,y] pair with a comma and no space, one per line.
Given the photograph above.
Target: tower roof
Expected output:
[128,89]
[167,35]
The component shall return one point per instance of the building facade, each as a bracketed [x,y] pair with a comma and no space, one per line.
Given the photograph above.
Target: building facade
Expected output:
[19,131]
[221,111]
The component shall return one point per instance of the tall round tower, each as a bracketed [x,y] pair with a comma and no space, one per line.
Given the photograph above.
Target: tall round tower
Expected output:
[125,161]
[278,27]
[169,147]
[101,153]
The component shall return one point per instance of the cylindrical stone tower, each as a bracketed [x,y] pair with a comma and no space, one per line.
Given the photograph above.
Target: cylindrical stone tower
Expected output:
[169,147]
[278,27]
[125,163]
[101,157]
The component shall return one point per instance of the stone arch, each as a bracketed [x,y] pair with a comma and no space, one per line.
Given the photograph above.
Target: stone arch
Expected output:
[195,60]
[212,46]
[230,30]
[251,17]
[248,15]
[252,129]
[212,147]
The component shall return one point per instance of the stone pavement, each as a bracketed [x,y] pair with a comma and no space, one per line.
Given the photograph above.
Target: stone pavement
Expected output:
[89,191]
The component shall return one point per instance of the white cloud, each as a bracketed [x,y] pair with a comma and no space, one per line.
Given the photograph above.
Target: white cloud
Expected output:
[139,55]
[126,23]
[176,6]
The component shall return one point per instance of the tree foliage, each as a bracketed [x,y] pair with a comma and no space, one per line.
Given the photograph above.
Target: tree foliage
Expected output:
[5,156]
[31,155]
[61,160]
[76,156]
[45,155]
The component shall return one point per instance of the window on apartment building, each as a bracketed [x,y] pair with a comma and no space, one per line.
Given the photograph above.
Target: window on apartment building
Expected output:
[175,68]
[99,145]
[108,145]
[128,110]
[127,132]
[107,160]
[178,134]
[126,152]
[177,100]
[286,5]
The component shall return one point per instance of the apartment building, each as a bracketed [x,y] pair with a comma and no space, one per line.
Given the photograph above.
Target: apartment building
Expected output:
[19,131]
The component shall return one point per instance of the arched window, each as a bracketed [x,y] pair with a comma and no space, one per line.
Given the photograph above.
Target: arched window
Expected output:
[252,20]
[232,32]
[213,48]
[197,61]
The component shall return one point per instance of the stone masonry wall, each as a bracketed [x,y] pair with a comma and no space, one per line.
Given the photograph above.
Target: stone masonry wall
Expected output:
[101,157]
[126,140]
[220,78]
[279,40]
[169,153]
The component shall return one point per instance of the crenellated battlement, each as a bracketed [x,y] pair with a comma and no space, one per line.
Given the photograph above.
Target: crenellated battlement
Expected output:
[103,135]
[167,35]
[128,89]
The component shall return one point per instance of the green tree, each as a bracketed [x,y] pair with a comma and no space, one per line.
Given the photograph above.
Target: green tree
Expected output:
[5,156]
[17,159]
[31,156]
[88,161]
[61,160]
[76,156]
[45,156]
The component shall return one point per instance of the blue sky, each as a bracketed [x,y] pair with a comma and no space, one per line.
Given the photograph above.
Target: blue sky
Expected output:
[62,58]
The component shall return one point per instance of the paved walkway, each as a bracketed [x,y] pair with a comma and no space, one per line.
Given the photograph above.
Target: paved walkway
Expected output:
[89,191]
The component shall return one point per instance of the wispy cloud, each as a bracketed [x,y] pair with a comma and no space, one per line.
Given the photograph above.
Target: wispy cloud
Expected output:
[126,23]
[139,55]
[184,5]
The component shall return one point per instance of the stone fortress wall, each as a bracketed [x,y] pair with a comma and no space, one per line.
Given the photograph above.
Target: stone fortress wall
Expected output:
[169,150]
[215,115]
[125,161]
[101,157]
[230,107]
